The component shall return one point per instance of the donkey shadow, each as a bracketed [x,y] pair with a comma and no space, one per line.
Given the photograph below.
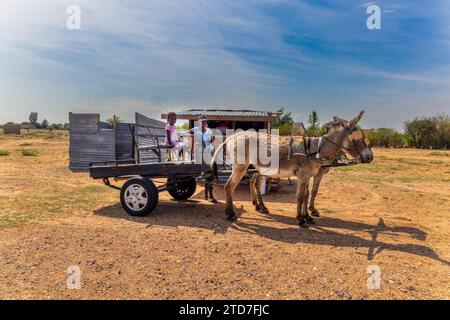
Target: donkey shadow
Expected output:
[321,234]
[198,214]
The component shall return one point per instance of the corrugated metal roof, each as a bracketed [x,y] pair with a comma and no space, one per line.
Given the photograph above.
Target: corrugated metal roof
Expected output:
[226,112]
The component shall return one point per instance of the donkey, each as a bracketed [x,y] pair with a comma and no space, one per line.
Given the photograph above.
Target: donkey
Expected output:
[357,146]
[291,162]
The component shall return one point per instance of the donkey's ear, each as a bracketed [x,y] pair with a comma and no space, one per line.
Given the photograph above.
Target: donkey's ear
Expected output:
[353,123]
[340,121]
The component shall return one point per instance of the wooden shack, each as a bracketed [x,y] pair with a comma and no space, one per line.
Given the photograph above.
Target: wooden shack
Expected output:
[12,128]
[229,118]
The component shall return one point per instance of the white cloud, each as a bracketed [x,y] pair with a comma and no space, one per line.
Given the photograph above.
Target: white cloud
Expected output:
[151,55]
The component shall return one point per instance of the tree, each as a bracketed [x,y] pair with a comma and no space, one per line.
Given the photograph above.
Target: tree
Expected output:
[422,131]
[33,117]
[183,127]
[314,127]
[428,132]
[385,137]
[114,120]
[283,121]
[44,124]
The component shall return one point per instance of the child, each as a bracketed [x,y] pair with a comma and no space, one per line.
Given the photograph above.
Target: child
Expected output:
[171,133]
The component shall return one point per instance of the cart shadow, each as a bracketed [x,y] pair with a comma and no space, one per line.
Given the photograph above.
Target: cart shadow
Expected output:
[322,233]
[172,213]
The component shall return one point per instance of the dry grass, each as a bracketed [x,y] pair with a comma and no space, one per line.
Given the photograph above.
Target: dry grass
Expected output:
[35,184]
[393,213]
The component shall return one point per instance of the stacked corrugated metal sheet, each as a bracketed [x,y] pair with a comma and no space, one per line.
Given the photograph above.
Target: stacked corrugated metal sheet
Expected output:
[124,141]
[11,128]
[146,128]
[90,141]
[93,141]
[226,112]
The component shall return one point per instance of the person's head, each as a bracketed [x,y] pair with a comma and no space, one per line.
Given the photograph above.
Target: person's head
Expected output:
[172,118]
[203,121]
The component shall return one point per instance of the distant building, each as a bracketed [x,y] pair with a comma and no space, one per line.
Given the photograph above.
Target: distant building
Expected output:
[11,128]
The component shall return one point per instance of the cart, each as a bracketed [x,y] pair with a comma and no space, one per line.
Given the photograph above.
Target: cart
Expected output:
[139,195]
[134,152]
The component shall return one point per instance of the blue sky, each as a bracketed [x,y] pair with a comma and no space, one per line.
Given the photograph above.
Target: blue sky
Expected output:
[156,56]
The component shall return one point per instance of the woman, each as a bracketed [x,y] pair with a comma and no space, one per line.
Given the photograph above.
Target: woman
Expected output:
[203,136]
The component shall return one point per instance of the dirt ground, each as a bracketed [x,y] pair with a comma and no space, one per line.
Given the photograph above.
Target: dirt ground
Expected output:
[392,214]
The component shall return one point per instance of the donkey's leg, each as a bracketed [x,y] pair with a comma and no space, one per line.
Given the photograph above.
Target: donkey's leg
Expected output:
[262,206]
[206,189]
[305,212]
[301,190]
[209,189]
[253,191]
[235,178]
[304,203]
[301,212]
[315,190]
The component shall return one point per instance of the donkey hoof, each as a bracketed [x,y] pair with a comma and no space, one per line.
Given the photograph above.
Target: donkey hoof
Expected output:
[315,213]
[262,210]
[231,217]
[310,220]
[302,223]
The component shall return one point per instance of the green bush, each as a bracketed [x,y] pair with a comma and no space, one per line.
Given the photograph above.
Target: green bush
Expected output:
[385,137]
[4,153]
[429,132]
[29,153]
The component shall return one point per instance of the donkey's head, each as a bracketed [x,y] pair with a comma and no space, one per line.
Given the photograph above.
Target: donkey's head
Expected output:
[355,143]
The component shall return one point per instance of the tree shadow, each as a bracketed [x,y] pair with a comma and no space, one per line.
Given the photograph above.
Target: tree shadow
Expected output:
[321,234]
[327,222]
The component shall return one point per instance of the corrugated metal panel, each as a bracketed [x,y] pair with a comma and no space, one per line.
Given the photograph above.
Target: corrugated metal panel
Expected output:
[225,112]
[90,141]
[124,141]
[145,129]
[11,128]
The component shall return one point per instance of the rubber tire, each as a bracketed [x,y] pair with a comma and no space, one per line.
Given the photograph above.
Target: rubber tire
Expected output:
[152,195]
[189,186]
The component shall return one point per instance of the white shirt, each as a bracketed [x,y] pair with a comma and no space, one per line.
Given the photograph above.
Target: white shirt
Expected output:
[205,136]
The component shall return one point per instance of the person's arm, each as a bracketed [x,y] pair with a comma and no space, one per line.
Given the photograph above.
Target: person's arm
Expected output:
[212,136]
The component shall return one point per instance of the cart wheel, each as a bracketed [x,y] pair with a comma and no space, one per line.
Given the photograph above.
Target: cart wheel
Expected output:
[181,188]
[139,196]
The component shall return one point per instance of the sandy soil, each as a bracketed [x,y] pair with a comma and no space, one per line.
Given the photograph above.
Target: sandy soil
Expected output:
[392,214]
